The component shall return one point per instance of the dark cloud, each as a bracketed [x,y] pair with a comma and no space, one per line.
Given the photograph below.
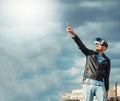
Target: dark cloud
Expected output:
[107,13]
[81,14]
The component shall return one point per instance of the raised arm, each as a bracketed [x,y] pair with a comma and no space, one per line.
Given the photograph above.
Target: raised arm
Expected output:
[80,44]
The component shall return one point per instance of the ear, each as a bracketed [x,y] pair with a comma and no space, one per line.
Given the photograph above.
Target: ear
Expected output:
[104,48]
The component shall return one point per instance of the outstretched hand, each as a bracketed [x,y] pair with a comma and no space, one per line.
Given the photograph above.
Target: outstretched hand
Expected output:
[70,30]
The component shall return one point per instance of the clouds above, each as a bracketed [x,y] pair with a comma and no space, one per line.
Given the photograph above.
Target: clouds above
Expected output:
[38,58]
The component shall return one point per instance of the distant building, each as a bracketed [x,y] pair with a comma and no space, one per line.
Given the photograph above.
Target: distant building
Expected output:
[111,91]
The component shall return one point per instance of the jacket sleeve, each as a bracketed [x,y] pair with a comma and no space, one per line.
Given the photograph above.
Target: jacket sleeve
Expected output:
[106,80]
[81,46]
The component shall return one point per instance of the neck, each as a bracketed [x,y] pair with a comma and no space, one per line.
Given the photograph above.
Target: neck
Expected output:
[100,52]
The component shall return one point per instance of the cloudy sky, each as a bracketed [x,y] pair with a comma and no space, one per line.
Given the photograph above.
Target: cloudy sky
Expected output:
[38,58]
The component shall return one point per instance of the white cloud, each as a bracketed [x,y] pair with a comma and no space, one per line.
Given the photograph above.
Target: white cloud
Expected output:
[80,62]
[74,71]
[28,44]
[114,47]
[28,19]
[90,27]
[90,4]
[19,34]
[96,29]
[28,11]
[13,77]
[99,4]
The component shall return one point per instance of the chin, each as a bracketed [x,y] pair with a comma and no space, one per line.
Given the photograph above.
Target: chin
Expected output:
[97,50]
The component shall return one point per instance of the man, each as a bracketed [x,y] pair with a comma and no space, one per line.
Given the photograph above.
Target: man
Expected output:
[97,69]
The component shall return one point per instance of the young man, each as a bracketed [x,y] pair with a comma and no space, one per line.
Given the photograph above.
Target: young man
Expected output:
[97,69]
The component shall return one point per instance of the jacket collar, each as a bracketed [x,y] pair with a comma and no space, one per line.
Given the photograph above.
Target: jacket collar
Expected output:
[96,53]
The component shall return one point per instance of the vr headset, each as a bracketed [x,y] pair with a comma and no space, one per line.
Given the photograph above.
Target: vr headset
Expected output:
[101,42]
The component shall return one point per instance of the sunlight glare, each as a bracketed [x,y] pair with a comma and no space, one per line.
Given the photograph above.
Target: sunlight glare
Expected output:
[27,19]
[29,11]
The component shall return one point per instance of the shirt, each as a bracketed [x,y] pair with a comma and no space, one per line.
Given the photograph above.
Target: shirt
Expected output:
[100,58]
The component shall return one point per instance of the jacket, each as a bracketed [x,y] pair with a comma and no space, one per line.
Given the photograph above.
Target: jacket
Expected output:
[93,69]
